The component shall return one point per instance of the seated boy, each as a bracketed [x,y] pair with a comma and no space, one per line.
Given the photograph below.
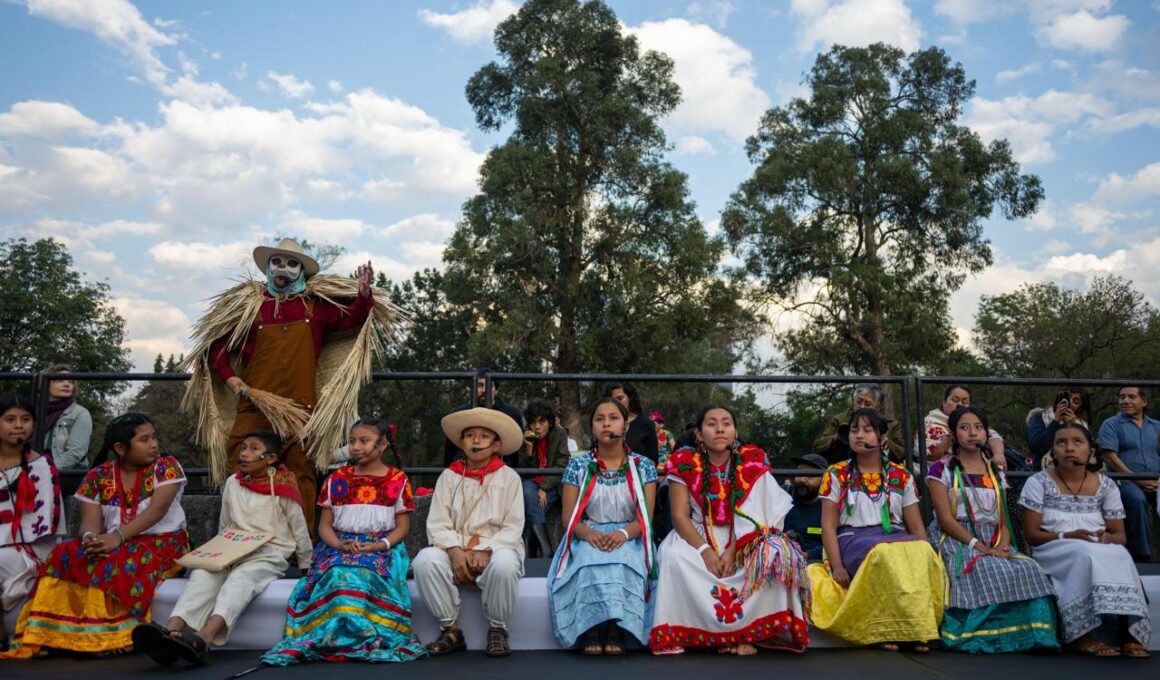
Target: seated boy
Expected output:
[475,528]
[261,497]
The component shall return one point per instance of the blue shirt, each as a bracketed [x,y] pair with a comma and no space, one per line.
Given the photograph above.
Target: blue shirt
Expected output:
[1136,446]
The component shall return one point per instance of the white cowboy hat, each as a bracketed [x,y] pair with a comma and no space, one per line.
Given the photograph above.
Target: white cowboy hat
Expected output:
[509,433]
[290,248]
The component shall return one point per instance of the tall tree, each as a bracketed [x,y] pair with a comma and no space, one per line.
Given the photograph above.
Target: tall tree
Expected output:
[582,251]
[865,210]
[1108,330]
[50,314]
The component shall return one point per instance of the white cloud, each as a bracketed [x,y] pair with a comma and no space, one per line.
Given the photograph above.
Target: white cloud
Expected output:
[423,226]
[1149,117]
[1128,83]
[334,86]
[970,11]
[193,256]
[474,25]
[1045,219]
[1030,123]
[392,268]
[855,23]
[152,327]
[692,145]
[1094,219]
[46,120]
[1144,185]
[289,85]
[318,229]
[423,254]
[719,91]
[117,22]
[717,12]
[1013,74]
[1083,31]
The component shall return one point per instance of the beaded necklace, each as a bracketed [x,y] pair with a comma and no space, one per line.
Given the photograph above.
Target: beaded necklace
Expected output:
[727,489]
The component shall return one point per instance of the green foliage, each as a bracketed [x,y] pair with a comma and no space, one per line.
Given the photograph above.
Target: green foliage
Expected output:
[582,251]
[49,314]
[865,210]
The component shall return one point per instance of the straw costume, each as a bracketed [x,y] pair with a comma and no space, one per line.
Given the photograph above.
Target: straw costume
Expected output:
[302,350]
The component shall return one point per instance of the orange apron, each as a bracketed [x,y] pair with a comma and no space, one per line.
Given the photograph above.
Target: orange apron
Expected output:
[283,363]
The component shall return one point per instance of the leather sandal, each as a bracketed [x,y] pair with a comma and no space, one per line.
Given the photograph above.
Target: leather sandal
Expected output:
[497,642]
[153,639]
[450,640]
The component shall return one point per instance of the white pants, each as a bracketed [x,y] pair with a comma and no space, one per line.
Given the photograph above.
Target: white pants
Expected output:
[227,593]
[499,582]
[18,571]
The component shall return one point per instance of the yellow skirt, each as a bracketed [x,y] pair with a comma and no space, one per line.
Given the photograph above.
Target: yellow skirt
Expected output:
[896,596]
[66,615]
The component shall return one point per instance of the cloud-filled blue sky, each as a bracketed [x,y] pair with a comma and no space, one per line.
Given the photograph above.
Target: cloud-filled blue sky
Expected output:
[163,140]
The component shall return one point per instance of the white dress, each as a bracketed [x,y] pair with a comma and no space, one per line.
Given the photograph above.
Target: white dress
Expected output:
[1092,580]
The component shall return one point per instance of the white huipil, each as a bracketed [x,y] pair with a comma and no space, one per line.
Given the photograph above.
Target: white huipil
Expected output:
[23,548]
[228,592]
[491,511]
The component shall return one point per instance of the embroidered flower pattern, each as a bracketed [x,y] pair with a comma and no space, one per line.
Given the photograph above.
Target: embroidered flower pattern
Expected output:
[728,606]
[346,487]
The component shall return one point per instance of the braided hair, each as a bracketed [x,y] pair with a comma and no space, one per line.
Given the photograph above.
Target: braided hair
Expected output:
[702,456]
[386,432]
[22,403]
[953,425]
[878,421]
[120,430]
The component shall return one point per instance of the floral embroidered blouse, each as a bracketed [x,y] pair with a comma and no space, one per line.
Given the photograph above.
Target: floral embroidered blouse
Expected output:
[366,504]
[102,486]
[686,467]
[860,497]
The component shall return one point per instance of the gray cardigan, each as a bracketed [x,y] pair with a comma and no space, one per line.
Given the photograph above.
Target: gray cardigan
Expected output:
[68,441]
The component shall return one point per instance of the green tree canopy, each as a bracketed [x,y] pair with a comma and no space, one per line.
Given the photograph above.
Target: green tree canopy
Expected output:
[50,314]
[865,210]
[1106,331]
[582,251]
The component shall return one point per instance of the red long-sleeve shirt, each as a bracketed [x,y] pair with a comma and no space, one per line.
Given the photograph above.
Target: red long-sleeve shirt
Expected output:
[326,318]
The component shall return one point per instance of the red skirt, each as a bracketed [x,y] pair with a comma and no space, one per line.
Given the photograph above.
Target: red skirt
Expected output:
[129,574]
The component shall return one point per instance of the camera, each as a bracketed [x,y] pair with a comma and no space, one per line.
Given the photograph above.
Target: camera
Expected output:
[1063,398]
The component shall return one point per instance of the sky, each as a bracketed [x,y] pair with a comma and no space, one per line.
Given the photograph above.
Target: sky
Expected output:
[162,141]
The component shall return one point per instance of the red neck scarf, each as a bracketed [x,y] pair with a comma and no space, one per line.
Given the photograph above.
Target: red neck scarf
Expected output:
[460,467]
[284,481]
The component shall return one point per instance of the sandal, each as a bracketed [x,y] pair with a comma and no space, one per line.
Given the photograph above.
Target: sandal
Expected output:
[1093,647]
[668,651]
[189,646]
[450,640]
[614,645]
[497,642]
[888,646]
[153,639]
[920,648]
[1135,650]
[590,643]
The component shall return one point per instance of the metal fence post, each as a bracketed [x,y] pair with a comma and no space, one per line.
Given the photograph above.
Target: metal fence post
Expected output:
[920,425]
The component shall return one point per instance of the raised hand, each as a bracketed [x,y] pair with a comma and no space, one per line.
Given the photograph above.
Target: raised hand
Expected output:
[366,276]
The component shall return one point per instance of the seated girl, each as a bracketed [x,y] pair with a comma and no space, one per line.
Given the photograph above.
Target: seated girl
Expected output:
[261,497]
[729,579]
[1000,601]
[31,511]
[1074,520]
[882,583]
[354,604]
[603,571]
[95,589]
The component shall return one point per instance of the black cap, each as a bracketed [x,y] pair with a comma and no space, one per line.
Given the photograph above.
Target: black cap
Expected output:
[811,459]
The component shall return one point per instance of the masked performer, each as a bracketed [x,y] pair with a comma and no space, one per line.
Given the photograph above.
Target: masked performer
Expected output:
[288,355]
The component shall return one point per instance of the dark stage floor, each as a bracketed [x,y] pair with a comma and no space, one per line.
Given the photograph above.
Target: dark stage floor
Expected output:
[816,665]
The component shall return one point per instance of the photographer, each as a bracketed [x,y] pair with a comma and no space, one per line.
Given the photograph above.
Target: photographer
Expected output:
[1071,405]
